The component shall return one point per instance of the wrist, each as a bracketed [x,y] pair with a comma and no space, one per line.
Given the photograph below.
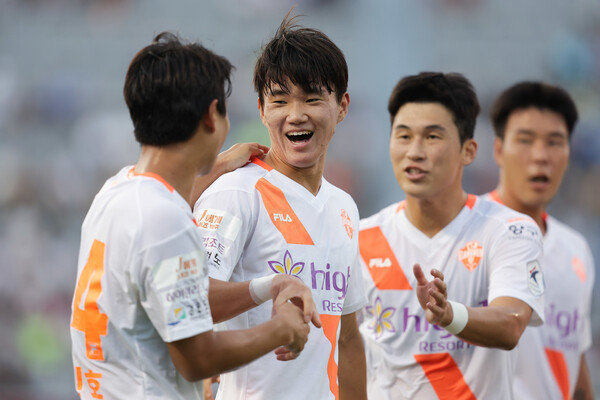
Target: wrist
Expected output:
[460,317]
[260,288]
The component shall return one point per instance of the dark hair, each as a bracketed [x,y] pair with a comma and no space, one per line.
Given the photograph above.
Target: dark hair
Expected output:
[169,86]
[453,91]
[533,94]
[306,57]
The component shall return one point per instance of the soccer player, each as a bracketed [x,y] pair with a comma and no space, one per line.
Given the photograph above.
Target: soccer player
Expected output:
[279,216]
[141,322]
[533,123]
[481,255]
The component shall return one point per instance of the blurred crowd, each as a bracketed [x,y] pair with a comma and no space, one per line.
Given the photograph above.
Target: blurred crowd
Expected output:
[64,128]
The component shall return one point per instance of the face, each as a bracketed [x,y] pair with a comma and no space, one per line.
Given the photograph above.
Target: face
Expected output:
[301,124]
[532,157]
[426,153]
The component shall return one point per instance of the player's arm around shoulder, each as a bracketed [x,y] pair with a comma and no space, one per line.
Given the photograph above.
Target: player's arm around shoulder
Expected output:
[352,371]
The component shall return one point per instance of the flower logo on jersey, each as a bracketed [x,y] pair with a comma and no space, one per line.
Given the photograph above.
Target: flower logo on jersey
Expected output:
[347,223]
[471,255]
[381,321]
[288,266]
[579,268]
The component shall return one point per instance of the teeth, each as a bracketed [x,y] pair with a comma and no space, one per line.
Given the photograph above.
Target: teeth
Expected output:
[413,170]
[299,133]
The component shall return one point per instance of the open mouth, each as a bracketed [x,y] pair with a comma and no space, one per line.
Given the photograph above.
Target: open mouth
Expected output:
[540,179]
[297,137]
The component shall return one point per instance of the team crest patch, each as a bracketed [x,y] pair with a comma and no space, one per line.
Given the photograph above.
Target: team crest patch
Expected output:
[471,255]
[347,223]
[535,278]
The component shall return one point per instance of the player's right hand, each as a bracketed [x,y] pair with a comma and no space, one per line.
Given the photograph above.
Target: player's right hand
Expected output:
[286,288]
[295,330]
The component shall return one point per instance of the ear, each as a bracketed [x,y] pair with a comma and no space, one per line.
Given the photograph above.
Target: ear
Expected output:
[469,151]
[261,111]
[498,142]
[344,104]
[210,116]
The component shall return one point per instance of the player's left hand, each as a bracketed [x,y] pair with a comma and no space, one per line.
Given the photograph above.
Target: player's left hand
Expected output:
[433,296]
[286,288]
[239,155]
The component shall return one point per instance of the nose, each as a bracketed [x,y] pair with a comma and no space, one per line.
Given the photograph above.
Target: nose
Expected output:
[297,112]
[416,150]
[539,151]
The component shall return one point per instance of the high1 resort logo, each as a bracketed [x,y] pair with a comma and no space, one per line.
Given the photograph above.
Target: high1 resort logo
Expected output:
[381,318]
[327,278]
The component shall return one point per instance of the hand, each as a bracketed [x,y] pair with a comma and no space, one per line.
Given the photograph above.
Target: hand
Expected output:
[239,155]
[295,328]
[207,385]
[286,288]
[433,297]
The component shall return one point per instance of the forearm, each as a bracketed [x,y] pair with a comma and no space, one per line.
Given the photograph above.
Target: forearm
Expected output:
[498,326]
[204,181]
[213,353]
[352,371]
[228,299]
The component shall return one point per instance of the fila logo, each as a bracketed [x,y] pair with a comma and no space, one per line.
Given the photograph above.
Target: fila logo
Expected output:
[380,262]
[282,217]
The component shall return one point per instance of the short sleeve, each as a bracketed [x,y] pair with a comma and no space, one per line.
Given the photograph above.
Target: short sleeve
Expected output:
[174,286]
[585,342]
[355,297]
[515,267]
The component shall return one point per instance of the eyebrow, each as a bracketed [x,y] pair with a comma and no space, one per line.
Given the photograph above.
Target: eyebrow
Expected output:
[434,127]
[553,134]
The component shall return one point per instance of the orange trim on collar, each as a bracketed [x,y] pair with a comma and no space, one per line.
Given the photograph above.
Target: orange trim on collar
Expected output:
[471,200]
[151,175]
[261,163]
[496,197]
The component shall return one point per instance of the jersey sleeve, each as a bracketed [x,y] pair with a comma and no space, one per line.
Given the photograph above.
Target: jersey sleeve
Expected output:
[173,284]
[515,267]
[225,220]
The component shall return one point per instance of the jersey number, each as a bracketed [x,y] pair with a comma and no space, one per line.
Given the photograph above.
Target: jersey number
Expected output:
[89,319]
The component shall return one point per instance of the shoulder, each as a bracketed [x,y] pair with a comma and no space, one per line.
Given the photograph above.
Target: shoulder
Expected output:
[567,234]
[242,179]
[382,216]
[499,221]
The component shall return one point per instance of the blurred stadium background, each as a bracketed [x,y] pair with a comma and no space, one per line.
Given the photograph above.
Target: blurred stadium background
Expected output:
[64,127]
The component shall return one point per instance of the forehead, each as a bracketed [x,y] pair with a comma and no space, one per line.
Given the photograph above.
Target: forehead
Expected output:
[420,115]
[533,119]
[290,88]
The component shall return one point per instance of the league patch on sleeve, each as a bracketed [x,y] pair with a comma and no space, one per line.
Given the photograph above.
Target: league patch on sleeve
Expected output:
[535,278]
[225,224]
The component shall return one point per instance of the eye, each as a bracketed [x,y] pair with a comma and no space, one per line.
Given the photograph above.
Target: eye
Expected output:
[312,100]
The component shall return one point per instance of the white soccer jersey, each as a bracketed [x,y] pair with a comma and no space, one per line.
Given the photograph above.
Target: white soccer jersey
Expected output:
[487,251]
[257,221]
[549,356]
[142,280]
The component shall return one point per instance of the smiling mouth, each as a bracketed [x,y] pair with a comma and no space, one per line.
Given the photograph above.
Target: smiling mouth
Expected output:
[300,136]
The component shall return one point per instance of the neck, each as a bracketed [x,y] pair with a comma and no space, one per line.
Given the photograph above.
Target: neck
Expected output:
[172,164]
[430,216]
[309,177]
[535,212]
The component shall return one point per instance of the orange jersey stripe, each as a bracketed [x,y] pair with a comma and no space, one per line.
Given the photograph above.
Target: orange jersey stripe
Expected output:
[445,376]
[382,264]
[282,215]
[557,362]
[471,200]
[261,163]
[330,327]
